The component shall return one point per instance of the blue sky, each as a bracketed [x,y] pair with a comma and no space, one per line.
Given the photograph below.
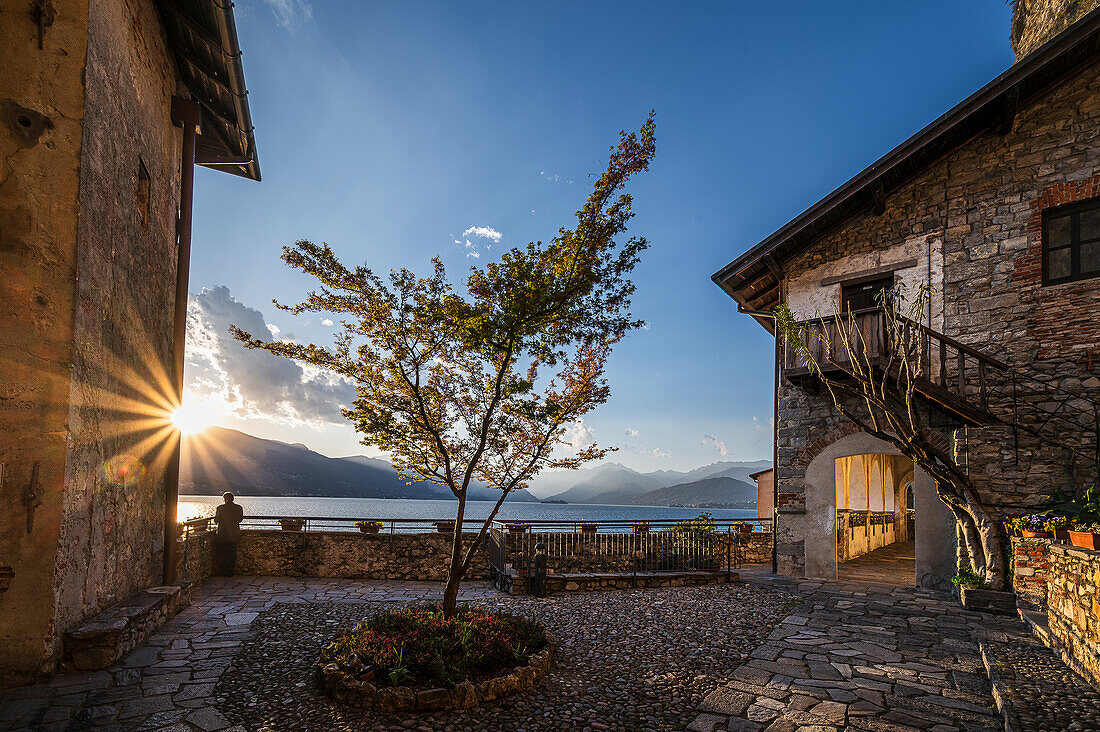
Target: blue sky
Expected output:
[389,129]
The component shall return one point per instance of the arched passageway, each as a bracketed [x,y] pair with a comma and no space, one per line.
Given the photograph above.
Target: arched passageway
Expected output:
[857,493]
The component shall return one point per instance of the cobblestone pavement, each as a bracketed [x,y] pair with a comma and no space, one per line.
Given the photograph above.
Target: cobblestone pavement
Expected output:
[861,657]
[168,683]
[1037,691]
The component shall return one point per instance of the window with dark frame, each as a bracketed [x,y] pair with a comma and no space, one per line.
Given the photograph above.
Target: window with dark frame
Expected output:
[861,295]
[1071,242]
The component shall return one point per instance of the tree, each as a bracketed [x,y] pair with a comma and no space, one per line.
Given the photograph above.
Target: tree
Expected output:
[453,385]
[880,399]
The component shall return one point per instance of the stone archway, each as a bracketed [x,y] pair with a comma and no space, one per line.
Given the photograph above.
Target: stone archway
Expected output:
[935,526]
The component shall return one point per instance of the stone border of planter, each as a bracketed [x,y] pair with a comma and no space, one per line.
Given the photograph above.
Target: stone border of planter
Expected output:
[346,689]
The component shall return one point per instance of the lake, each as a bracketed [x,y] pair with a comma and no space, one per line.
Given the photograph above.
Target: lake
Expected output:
[387,508]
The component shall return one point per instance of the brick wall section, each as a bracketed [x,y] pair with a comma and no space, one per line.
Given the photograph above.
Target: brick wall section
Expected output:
[1074,608]
[1029,571]
[980,205]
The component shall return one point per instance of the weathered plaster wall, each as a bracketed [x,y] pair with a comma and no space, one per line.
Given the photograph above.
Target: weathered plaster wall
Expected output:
[41,107]
[1034,22]
[111,529]
[995,189]
[808,298]
[765,495]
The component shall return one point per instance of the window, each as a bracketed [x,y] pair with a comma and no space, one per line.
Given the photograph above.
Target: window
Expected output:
[861,296]
[1071,242]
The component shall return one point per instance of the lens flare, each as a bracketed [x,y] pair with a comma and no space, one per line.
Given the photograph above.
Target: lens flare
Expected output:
[123,470]
[191,418]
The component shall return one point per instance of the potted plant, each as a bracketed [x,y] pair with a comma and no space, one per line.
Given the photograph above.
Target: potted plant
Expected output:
[369,527]
[1058,526]
[1086,536]
[292,524]
[746,528]
[640,527]
[518,527]
[444,527]
[1029,526]
[588,527]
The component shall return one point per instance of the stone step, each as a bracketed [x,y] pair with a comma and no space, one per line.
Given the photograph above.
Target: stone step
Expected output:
[105,638]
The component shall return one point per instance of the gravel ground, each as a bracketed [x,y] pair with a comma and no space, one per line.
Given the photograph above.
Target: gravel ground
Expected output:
[632,660]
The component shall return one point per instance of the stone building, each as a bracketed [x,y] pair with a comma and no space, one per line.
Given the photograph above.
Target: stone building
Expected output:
[996,204]
[104,104]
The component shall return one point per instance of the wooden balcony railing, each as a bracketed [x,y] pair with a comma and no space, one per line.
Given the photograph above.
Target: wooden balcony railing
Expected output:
[952,374]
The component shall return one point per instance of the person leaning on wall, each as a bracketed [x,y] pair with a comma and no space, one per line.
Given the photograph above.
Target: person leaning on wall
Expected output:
[228,517]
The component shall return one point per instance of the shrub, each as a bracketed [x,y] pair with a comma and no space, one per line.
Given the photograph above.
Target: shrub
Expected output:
[967,577]
[420,647]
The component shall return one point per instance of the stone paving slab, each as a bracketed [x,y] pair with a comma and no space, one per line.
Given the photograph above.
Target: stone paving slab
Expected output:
[861,657]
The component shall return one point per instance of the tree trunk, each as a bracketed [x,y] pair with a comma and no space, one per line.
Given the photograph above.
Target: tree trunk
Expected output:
[455,572]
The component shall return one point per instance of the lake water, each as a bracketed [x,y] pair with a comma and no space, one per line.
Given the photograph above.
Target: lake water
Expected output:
[386,508]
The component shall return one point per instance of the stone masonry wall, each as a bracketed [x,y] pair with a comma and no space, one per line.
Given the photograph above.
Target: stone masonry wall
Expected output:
[1034,22]
[1074,608]
[112,523]
[334,554]
[1030,558]
[983,205]
[41,108]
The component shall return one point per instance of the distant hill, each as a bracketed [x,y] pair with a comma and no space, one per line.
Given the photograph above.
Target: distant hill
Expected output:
[613,483]
[221,459]
[717,492]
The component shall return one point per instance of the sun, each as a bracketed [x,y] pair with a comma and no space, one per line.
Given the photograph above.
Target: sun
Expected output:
[191,418]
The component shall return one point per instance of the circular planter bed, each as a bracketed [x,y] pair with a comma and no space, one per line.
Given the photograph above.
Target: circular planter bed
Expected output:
[415,660]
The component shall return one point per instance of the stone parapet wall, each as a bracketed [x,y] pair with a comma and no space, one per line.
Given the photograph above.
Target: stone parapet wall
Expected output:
[332,554]
[1074,608]
[1030,558]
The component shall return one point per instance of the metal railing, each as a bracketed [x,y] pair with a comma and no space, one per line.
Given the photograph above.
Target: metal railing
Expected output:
[621,547]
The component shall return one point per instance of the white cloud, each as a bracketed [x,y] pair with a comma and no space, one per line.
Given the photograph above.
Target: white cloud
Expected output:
[718,445]
[484,232]
[659,453]
[554,177]
[290,12]
[631,432]
[578,434]
[253,383]
[327,322]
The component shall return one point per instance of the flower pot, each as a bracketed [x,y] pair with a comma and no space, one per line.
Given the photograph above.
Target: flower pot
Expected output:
[445,527]
[291,524]
[746,528]
[1035,534]
[1085,540]
[514,529]
[1061,535]
[641,528]
[370,529]
[588,529]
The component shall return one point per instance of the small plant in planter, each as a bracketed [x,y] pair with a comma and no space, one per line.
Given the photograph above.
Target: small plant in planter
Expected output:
[588,528]
[1086,536]
[369,527]
[518,527]
[288,524]
[1030,526]
[967,577]
[746,528]
[1058,527]
[640,527]
[445,527]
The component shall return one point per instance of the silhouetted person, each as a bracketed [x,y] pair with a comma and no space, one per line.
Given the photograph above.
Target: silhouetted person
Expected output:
[228,517]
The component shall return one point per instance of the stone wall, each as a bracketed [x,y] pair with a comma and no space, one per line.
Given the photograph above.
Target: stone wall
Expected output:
[983,205]
[87,266]
[1030,571]
[1074,608]
[112,522]
[41,108]
[333,554]
[1034,22]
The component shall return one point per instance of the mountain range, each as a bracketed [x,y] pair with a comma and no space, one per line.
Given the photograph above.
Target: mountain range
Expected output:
[221,459]
[718,485]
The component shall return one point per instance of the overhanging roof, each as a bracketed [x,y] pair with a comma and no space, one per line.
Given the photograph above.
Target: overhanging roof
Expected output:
[753,278]
[202,36]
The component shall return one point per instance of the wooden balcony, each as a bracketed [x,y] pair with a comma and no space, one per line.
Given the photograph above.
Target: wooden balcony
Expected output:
[954,377]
